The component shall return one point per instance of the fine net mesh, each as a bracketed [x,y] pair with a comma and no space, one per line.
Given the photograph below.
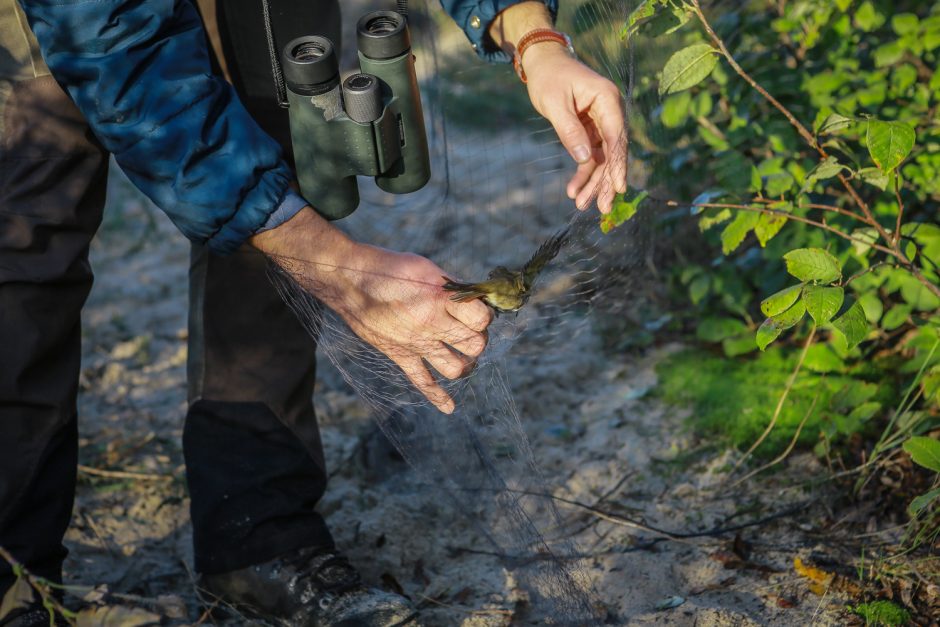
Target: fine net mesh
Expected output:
[497,192]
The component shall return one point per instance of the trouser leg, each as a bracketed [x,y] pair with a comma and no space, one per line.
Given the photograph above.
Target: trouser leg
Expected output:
[253,453]
[52,190]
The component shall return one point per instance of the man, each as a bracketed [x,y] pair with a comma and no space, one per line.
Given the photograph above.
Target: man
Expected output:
[140,85]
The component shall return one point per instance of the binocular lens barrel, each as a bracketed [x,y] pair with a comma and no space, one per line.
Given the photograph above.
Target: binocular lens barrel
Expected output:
[362,95]
[383,35]
[310,65]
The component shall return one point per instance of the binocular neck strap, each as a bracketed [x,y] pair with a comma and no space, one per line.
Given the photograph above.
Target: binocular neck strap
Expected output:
[280,89]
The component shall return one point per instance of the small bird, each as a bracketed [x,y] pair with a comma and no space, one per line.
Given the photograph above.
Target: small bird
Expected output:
[508,290]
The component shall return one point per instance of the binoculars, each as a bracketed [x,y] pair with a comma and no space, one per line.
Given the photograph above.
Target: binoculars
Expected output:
[371,125]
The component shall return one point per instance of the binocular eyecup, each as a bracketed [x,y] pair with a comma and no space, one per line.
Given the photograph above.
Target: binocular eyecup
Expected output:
[371,125]
[309,62]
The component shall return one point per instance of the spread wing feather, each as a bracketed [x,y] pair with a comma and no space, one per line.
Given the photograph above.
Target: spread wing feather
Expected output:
[546,252]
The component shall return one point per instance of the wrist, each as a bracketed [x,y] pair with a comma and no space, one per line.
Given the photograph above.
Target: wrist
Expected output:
[515,21]
[309,244]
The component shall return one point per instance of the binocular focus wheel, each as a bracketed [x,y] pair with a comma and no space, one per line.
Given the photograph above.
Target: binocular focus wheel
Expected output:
[362,96]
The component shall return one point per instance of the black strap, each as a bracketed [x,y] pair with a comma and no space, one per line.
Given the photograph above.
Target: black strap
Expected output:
[280,90]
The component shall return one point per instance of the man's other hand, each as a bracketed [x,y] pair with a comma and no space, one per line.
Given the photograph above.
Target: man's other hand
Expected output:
[585,109]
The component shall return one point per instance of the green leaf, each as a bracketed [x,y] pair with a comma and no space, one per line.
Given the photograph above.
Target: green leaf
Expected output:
[924,451]
[666,22]
[738,345]
[917,295]
[904,23]
[813,264]
[853,325]
[862,239]
[767,333]
[675,110]
[645,10]
[773,327]
[698,288]
[622,210]
[821,358]
[889,143]
[823,303]
[768,225]
[791,316]
[895,317]
[734,233]
[718,329]
[825,169]
[872,305]
[910,251]
[781,301]
[707,222]
[873,176]
[868,18]
[922,501]
[702,106]
[688,67]
[835,122]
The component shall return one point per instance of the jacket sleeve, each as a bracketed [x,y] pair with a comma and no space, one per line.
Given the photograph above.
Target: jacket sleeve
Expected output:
[139,71]
[475,17]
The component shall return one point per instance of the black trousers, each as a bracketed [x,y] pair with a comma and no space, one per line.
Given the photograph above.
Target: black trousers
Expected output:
[253,454]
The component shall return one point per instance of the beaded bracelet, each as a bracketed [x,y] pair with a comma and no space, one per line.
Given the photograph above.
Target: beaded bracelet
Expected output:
[537,36]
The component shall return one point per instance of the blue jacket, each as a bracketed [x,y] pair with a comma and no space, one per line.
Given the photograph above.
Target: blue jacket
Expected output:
[139,72]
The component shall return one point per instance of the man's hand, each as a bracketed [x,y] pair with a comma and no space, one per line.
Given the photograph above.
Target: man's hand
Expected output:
[393,301]
[585,109]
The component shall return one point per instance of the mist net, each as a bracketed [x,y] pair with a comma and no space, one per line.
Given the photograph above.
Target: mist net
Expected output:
[497,192]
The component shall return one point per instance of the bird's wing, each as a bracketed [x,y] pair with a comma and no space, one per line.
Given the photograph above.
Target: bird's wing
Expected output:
[546,252]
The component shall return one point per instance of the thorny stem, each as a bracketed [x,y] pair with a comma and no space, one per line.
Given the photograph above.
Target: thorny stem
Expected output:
[811,140]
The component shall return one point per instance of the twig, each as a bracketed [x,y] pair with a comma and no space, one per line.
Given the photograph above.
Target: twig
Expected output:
[122,474]
[783,455]
[467,610]
[871,268]
[897,195]
[623,521]
[40,585]
[783,398]
[783,214]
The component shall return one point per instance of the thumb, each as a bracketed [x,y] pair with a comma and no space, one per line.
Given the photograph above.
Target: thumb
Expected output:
[574,137]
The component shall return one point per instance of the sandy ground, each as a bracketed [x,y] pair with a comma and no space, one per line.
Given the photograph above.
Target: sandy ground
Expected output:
[596,427]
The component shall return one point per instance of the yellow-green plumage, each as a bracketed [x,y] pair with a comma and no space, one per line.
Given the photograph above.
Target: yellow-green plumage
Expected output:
[508,290]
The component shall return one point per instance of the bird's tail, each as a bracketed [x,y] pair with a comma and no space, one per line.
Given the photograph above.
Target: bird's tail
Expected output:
[463,292]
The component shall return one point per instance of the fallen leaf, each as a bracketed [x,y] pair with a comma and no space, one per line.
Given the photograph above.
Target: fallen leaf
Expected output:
[19,596]
[669,603]
[115,616]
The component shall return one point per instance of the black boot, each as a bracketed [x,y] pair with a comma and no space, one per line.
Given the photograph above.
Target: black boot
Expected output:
[312,587]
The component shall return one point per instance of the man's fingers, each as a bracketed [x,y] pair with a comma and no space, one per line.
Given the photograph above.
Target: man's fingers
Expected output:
[448,362]
[590,190]
[470,343]
[419,376]
[574,137]
[580,178]
[474,314]
[608,114]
